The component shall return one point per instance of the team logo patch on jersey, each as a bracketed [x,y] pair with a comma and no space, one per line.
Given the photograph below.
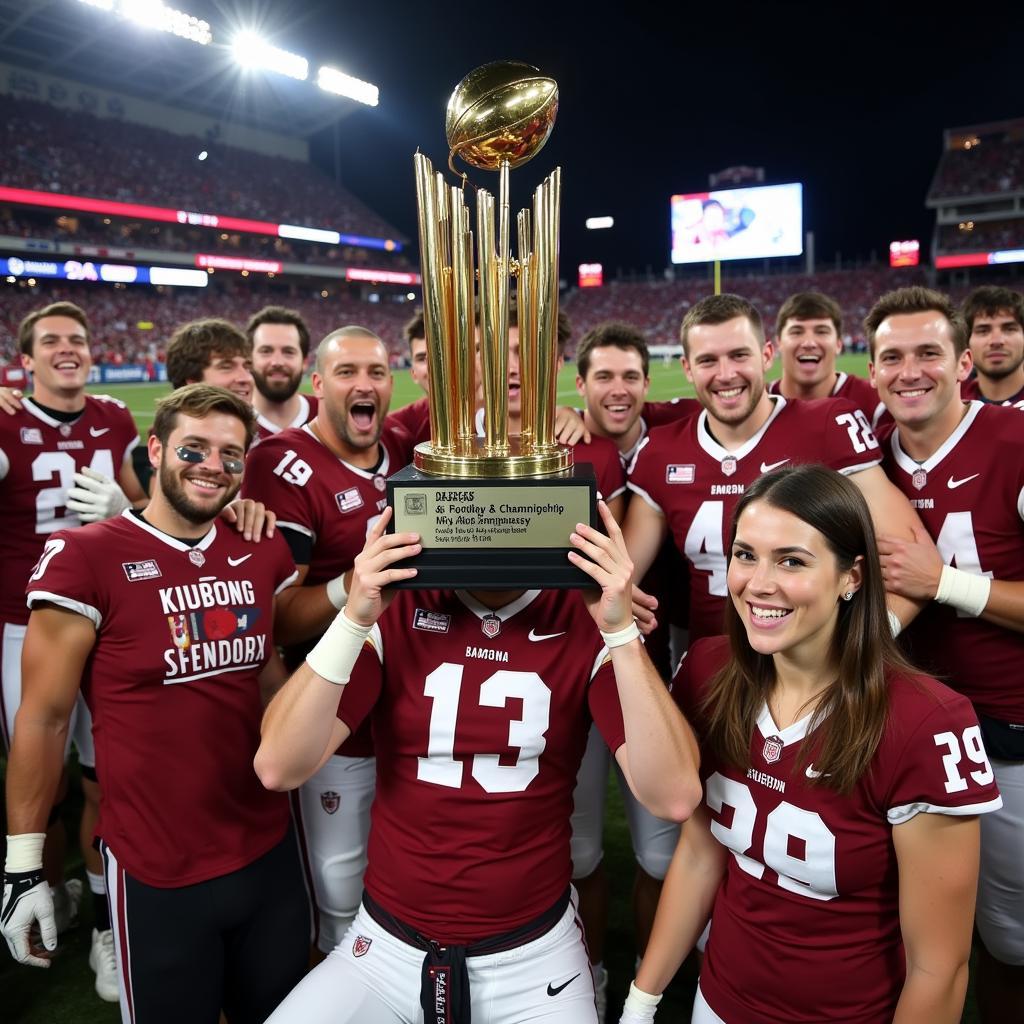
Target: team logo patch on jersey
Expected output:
[919,479]
[361,946]
[772,749]
[431,622]
[145,570]
[65,429]
[491,626]
[379,482]
[31,435]
[330,802]
[350,500]
[197,558]
[728,466]
[680,474]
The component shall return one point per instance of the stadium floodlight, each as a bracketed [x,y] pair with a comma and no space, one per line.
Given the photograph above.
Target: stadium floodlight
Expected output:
[253,52]
[333,80]
[157,15]
[203,155]
[597,223]
[308,234]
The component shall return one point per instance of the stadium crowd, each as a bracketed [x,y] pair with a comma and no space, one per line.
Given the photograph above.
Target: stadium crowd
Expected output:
[53,150]
[993,165]
[982,235]
[879,864]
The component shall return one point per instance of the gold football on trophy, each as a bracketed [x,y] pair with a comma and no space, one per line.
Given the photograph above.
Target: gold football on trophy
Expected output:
[501,111]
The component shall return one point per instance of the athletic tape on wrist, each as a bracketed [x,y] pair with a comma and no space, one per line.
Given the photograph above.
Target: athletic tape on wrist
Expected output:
[25,852]
[968,592]
[337,650]
[894,623]
[640,1002]
[622,636]
[336,592]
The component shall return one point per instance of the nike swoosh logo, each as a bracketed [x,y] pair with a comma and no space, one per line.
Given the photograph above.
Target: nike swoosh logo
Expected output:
[768,467]
[544,636]
[238,561]
[553,990]
[813,773]
[98,431]
[954,484]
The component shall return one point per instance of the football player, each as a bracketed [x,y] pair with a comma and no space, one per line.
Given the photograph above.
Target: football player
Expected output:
[325,481]
[962,467]
[689,476]
[280,345]
[65,458]
[164,620]
[836,850]
[481,704]
[995,324]
[414,418]
[809,336]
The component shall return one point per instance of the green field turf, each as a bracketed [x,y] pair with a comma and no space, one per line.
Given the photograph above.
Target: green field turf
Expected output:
[667,381]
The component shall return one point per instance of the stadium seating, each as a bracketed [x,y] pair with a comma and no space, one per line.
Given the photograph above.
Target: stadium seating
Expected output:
[993,165]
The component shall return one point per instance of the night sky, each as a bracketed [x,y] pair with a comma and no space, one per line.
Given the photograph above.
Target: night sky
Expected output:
[853,105]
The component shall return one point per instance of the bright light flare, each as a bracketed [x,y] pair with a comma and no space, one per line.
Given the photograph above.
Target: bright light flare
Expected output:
[333,80]
[597,223]
[253,52]
[156,15]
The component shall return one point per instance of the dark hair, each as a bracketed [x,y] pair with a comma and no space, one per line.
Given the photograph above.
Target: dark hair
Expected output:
[916,299]
[200,400]
[415,328]
[809,306]
[989,300]
[720,309]
[26,330]
[194,345]
[612,333]
[563,326]
[279,315]
[850,718]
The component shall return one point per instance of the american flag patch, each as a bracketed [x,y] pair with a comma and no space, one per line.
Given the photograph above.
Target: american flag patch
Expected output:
[680,474]
[349,500]
[146,570]
[31,435]
[431,622]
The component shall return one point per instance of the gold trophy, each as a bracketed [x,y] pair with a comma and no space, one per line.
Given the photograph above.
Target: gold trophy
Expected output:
[493,510]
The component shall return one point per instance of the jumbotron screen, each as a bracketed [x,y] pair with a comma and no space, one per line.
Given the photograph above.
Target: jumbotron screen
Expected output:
[738,224]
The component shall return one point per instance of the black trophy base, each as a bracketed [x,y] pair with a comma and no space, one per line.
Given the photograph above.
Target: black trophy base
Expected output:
[465,525]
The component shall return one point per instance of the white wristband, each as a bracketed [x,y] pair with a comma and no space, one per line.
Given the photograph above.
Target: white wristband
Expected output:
[622,636]
[894,623]
[639,1003]
[966,591]
[25,852]
[337,650]
[336,592]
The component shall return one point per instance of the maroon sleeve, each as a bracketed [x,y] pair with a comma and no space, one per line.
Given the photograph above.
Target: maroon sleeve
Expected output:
[64,577]
[657,414]
[360,693]
[646,472]
[849,442]
[605,709]
[285,492]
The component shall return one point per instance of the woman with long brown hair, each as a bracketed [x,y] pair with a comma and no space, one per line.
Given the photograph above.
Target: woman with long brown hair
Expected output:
[836,850]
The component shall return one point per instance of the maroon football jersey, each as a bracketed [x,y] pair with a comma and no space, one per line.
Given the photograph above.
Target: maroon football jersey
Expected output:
[480,722]
[854,389]
[39,457]
[182,634]
[308,405]
[969,392]
[603,455]
[413,418]
[805,926]
[332,502]
[684,473]
[657,414]
[970,497]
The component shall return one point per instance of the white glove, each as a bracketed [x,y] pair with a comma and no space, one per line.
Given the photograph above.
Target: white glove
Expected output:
[95,497]
[26,899]
[640,1007]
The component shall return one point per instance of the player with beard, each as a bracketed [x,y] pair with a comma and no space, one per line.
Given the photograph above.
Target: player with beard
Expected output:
[325,481]
[995,323]
[809,337]
[689,476]
[164,619]
[280,346]
[481,705]
[962,465]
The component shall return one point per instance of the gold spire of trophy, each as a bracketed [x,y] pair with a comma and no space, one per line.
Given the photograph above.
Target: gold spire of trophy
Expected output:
[494,509]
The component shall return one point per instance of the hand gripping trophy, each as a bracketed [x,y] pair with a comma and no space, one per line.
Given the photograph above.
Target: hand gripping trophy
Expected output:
[494,511]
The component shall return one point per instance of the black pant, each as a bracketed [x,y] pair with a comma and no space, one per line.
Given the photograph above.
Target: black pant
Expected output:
[239,942]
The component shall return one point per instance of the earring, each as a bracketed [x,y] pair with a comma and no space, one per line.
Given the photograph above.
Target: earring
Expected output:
[848,596]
